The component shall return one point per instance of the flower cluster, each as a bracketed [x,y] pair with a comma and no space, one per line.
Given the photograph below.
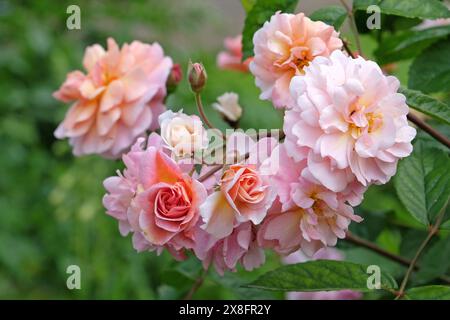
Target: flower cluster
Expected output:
[345,128]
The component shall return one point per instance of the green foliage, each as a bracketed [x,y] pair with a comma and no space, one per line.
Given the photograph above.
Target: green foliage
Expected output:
[423,182]
[428,9]
[260,12]
[430,71]
[408,44]
[435,262]
[428,293]
[426,104]
[332,15]
[248,4]
[320,275]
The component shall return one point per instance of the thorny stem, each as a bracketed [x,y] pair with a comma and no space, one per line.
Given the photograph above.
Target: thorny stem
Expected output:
[198,101]
[210,173]
[347,48]
[369,245]
[217,168]
[353,25]
[429,129]
[373,247]
[433,230]
[197,284]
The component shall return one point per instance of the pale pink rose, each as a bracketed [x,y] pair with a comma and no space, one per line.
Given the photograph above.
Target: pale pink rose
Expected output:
[348,122]
[322,254]
[295,185]
[117,100]
[231,59]
[183,134]
[225,254]
[244,192]
[308,229]
[310,216]
[154,199]
[283,47]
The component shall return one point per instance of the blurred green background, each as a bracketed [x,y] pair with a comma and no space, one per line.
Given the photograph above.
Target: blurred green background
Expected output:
[51,215]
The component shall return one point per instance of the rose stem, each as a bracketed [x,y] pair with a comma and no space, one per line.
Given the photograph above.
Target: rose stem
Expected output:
[433,230]
[197,284]
[198,101]
[373,247]
[429,129]
[353,26]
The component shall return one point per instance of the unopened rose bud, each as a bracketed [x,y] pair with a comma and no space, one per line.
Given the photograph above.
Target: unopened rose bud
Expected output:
[228,106]
[196,76]
[174,78]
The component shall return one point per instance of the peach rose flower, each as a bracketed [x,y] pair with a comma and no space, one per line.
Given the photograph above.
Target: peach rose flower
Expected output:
[117,100]
[240,247]
[283,47]
[231,59]
[154,199]
[244,192]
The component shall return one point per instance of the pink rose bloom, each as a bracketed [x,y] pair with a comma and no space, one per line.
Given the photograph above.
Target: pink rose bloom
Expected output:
[240,247]
[283,47]
[117,100]
[244,192]
[322,254]
[154,199]
[348,122]
[231,59]
[310,216]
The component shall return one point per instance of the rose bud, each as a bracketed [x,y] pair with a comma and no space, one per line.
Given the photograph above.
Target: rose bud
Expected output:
[174,78]
[228,106]
[196,76]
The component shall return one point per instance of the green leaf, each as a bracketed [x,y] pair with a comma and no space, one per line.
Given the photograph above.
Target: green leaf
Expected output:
[445,225]
[390,240]
[426,104]
[320,275]
[429,9]
[332,15]
[261,12]
[430,71]
[248,4]
[408,43]
[423,182]
[429,293]
[435,262]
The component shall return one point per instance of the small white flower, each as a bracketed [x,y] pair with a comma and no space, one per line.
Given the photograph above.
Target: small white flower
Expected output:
[183,134]
[229,106]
